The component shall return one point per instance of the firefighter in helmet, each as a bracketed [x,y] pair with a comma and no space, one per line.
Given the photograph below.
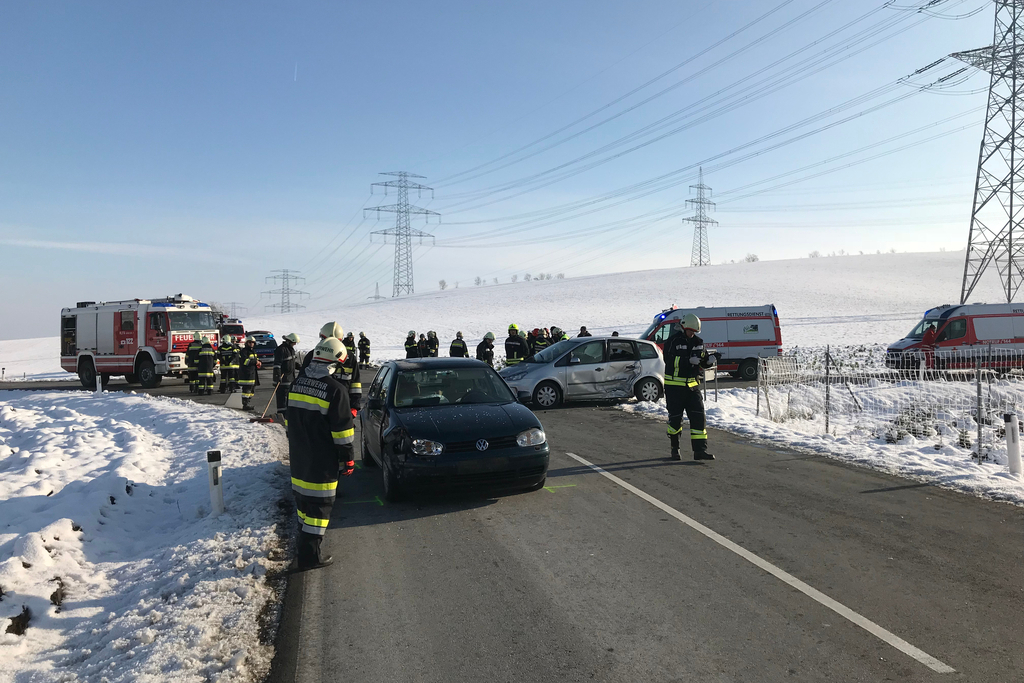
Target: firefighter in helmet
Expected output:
[204,367]
[347,372]
[458,349]
[432,344]
[192,361]
[286,368]
[320,447]
[485,349]
[350,344]
[421,347]
[516,348]
[686,359]
[248,375]
[227,353]
[412,349]
[364,349]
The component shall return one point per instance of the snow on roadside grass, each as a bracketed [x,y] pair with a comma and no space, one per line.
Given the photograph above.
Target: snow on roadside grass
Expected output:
[106,540]
[948,465]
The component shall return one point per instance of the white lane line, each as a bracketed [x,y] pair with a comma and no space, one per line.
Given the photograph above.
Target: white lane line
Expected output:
[816,595]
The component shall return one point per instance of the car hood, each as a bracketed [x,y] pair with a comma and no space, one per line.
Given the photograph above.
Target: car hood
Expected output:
[903,344]
[466,422]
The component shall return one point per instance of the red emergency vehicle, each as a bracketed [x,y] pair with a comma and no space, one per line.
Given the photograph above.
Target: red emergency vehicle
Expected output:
[142,339]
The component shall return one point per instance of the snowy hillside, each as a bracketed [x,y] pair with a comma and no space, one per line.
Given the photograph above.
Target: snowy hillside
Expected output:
[829,300]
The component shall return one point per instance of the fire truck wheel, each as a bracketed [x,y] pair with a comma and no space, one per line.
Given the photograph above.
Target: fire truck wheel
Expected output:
[147,374]
[748,370]
[131,378]
[87,373]
[105,378]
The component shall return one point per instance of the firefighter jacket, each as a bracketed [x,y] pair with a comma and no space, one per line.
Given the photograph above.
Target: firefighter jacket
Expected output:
[364,346]
[516,349]
[539,344]
[350,345]
[320,431]
[349,376]
[411,349]
[247,361]
[432,346]
[458,349]
[207,359]
[485,351]
[192,354]
[680,352]
[286,364]
[228,354]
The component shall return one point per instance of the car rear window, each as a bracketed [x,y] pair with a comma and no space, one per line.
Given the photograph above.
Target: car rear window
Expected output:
[647,351]
[450,385]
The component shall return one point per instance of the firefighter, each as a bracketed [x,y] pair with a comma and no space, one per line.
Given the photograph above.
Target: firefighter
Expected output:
[411,348]
[192,361]
[364,349]
[204,367]
[531,338]
[320,438]
[228,355]
[516,348]
[248,377]
[539,341]
[458,349]
[432,344]
[485,349]
[615,334]
[686,359]
[584,333]
[286,369]
[347,373]
[421,347]
[350,344]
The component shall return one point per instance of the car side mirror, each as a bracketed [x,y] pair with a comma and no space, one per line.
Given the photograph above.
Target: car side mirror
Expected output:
[524,396]
[375,404]
[574,360]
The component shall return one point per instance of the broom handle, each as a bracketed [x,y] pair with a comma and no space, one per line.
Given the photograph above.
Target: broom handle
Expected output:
[270,401]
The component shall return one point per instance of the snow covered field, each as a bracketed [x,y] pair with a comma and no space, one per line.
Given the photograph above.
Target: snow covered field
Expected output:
[107,542]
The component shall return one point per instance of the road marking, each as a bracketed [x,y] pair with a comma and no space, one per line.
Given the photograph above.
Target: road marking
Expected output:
[375,499]
[561,486]
[816,595]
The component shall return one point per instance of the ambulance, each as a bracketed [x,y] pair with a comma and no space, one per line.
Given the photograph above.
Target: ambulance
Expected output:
[143,339]
[742,334]
[960,332]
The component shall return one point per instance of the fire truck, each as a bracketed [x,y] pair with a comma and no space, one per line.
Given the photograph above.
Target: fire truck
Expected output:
[142,339]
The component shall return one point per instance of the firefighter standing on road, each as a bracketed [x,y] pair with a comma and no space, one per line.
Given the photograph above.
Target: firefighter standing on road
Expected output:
[411,348]
[421,347]
[584,332]
[204,366]
[432,344]
[320,438]
[248,375]
[346,373]
[485,349]
[516,348]
[458,349]
[286,368]
[350,344]
[686,359]
[192,361]
[227,352]
[364,349]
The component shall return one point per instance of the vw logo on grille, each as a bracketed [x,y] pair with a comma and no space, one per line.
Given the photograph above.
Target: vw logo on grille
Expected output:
[482,445]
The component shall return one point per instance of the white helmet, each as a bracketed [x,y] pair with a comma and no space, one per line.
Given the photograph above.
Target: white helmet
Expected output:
[226,339]
[250,338]
[206,340]
[331,330]
[292,337]
[412,333]
[196,336]
[691,322]
[330,350]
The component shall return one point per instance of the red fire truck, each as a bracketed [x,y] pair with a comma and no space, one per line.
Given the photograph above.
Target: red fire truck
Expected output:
[142,339]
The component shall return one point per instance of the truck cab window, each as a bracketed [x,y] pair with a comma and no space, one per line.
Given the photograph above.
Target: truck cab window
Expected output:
[127,321]
[156,323]
[954,330]
[664,332]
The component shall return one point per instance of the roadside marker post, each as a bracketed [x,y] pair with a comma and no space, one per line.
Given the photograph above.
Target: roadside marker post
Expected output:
[1012,424]
[99,384]
[216,482]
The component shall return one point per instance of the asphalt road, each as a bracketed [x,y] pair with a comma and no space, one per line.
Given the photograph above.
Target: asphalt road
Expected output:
[587,580]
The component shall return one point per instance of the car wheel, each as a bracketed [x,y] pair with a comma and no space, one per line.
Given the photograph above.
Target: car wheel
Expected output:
[87,373]
[147,374]
[367,459]
[392,492]
[648,389]
[748,370]
[547,395]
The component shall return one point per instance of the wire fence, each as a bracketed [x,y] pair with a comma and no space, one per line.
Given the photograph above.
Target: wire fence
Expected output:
[960,401]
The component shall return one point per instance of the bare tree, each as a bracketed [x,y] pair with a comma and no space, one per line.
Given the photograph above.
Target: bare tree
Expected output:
[514,278]
[560,276]
[526,278]
[477,281]
[442,284]
[540,276]
[751,258]
[548,276]
[814,254]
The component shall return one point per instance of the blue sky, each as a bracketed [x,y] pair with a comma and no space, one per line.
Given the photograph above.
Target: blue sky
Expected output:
[154,148]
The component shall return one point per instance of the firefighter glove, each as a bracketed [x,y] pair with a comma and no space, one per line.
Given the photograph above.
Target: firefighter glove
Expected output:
[694,360]
[354,412]
[350,467]
[277,377]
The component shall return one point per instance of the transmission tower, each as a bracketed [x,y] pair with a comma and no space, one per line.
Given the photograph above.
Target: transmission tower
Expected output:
[234,308]
[286,278]
[376,292]
[996,215]
[701,255]
[403,231]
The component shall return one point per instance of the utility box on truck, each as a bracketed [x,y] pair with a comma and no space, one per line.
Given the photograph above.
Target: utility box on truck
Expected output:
[142,339]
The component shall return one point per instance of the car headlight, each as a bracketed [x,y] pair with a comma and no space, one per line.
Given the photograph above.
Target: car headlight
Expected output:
[516,376]
[532,437]
[425,447]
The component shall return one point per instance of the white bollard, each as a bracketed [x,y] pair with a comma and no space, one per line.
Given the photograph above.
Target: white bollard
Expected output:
[99,383]
[1012,425]
[216,485]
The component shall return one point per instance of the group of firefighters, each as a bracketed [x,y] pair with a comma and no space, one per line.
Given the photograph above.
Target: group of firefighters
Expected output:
[519,345]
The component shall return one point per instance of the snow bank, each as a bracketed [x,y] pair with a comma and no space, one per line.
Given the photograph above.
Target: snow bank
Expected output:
[105,539]
[931,460]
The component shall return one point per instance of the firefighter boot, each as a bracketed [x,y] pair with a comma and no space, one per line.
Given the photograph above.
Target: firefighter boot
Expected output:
[674,439]
[309,552]
[245,403]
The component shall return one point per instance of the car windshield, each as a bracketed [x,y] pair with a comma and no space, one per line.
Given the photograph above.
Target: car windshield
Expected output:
[918,332]
[450,385]
[233,330]
[191,320]
[650,330]
[552,352]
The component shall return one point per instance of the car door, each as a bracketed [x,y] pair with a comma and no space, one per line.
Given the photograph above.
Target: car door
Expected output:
[585,371]
[375,415]
[621,369]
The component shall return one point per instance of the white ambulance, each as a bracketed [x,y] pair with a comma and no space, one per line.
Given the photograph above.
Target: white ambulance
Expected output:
[948,336]
[142,339]
[742,334]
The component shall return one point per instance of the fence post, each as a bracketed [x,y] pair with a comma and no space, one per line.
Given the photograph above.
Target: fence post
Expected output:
[1012,425]
[760,378]
[977,372]
[828,384]
[216,484]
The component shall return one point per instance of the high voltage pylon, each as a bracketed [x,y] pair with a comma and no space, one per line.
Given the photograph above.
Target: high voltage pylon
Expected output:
[286,278]
[403,231]
[376,292]
[234,308]
[701,255]
[994,235]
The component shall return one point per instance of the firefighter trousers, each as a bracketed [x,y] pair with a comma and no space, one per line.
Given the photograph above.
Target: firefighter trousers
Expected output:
[205,382]
[684,399]
[227,378]
[314,515]
[364,358]
[282,396]
[193,378]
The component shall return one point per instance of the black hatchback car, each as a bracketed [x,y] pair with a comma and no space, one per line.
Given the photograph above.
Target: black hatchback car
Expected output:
[449,423]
